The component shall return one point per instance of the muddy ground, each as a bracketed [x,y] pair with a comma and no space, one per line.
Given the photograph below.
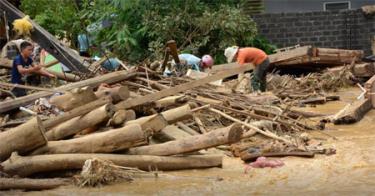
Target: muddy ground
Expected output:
[350,171]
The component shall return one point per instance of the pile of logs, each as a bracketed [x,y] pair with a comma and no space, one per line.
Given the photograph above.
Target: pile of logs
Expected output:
[138,118]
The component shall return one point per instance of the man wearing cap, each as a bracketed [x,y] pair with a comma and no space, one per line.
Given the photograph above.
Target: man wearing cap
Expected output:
[190,61]
[255,56]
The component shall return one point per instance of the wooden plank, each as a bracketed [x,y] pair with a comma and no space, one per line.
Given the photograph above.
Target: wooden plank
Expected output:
[181,88]
[290,54]
[47,41]
[93,82]
[354,112]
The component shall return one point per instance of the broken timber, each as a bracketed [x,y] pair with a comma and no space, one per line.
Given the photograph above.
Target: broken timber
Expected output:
[354,112]
[181,88]
[26,165]
[47,41]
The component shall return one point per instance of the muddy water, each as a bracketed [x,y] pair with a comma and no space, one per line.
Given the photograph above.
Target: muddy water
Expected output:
[351,171]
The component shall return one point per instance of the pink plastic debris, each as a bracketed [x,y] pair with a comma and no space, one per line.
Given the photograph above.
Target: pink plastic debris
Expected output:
[263,162]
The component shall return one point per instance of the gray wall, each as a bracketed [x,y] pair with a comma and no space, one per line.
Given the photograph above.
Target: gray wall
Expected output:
[341,29]
[279,6]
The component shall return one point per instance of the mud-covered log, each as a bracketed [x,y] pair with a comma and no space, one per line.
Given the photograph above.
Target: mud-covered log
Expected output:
[32,184]
[104,142]
[354,112]
[213,138]
[22,139]
[28,165]
[73,99]
[246,156]
[118,93]
[80,123]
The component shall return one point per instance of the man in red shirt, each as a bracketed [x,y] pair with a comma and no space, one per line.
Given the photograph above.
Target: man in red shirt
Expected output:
[255,56]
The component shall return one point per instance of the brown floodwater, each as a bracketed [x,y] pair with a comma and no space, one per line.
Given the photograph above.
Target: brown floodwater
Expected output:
[351,171]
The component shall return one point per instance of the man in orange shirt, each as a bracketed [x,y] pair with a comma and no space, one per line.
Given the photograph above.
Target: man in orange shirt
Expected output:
[255,56]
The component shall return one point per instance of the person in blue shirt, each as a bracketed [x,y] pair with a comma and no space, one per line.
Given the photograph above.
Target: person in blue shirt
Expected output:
[24,70]
[189,61]
[84,45]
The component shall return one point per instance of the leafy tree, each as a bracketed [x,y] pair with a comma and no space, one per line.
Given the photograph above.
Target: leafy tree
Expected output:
[137,29]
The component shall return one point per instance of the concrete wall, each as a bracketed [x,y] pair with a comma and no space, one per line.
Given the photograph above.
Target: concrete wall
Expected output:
[342,29]
[280,6]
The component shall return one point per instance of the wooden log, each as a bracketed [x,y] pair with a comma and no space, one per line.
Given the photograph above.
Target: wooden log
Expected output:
[172,116]
[118,118]
[118,93]
[154,84]
[65,76]
[26,166]
[32,184]
[130,103]
[364,70]
[354,112]
[171,44]
[93,82]
[214,138]
[370,90]
[246,156]
[339,53]
[22,139]
[73,99]
[80,123]
[170,133]
[171,100]
[48,124]
[104,142]
[186,128]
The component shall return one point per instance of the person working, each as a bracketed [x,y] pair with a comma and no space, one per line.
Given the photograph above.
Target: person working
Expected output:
[189,61]
[255,56]
[24,70]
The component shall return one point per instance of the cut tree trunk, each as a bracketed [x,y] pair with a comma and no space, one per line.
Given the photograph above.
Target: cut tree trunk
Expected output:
[80,123]
[170,133]
[26,166]
[370,90]
[104,142]
[172,116]
[171,100]
[214,138]
[32,184]
[48,124]
[65,76]
[118,93]
[93,82]
[22,139]
[73,99]
[354,112]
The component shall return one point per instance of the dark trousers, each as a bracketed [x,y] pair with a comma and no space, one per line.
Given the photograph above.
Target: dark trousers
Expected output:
[259,80]
[33,80]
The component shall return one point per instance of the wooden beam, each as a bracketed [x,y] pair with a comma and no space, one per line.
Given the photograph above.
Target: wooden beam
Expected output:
[93,82]
[47,41]
[181,88]
[290,54]
[354,112]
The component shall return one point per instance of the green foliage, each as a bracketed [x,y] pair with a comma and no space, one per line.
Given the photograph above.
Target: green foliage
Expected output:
[140,28]
[59,17]
[262,43]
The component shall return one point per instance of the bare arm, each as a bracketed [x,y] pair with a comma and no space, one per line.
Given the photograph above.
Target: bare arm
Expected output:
[29,70]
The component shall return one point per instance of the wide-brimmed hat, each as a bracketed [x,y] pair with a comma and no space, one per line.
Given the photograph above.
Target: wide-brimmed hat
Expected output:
[230,52]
